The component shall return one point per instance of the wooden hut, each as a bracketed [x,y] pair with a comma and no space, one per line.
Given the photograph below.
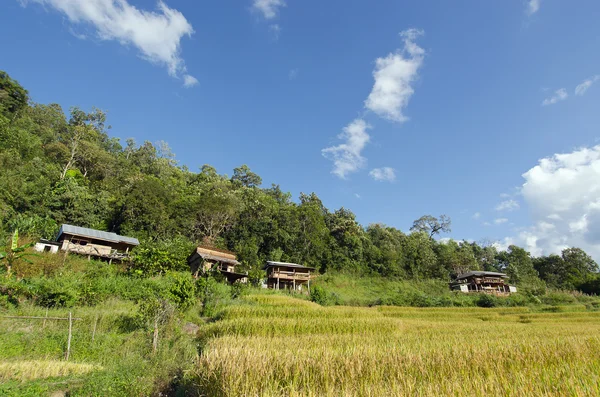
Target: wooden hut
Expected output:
[483,282]
[95,243]
[205,259]
[290,276]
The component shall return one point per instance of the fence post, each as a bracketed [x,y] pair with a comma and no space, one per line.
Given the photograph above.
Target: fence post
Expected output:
[155,336]
[69,338]
[94,331]
[44,323]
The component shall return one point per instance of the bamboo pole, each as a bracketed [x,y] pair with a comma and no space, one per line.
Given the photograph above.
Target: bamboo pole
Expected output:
[155,336]
[41,318]
[94,330]
[70,335]
[44,323]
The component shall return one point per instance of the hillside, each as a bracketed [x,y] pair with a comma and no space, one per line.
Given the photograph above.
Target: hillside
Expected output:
[62,167]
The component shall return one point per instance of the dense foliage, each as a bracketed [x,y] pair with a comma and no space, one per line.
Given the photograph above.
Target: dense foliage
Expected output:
[66,168]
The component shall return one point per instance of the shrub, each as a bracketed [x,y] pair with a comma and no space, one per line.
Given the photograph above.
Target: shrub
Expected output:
[159,257]
[181,289]
[56,294]
[485,300]
[212,294]
[239,289]
[324,298]
[558,298]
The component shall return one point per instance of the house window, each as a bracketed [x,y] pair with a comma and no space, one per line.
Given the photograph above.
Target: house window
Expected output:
[47,248]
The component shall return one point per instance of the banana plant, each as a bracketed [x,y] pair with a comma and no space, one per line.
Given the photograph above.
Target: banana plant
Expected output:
[15,253]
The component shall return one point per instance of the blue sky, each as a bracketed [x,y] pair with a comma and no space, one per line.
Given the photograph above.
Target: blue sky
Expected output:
[450,106]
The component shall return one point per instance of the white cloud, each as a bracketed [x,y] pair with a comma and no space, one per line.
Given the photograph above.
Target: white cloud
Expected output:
[504,195]
[562,193]
[587,83]
[533,6]
[384,174]
[156,34]
[476,215]
[559,95]
[268,8]
[293,74]
[347,157]
[357,196]
[500,221]
[275,29]
[394,75]
[507,205]
[189,81]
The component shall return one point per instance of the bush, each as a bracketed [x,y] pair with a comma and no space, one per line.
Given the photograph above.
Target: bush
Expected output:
[485,300]
[558,298]
[239,289]
[212,294]
[159,257]
[517,300]
[181,289]
[323,297]
[55,293]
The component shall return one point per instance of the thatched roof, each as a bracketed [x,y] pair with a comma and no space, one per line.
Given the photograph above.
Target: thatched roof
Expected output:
[212,254]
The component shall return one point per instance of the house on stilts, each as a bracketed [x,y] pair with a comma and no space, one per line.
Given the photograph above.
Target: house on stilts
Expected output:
[483,282]
[205,259]
[288,276]
[89,242]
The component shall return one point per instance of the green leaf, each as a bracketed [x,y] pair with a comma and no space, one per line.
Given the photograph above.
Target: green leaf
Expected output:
[15,240]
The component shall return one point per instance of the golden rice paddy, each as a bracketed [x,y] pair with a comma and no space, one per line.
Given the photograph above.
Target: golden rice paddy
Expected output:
[281,346]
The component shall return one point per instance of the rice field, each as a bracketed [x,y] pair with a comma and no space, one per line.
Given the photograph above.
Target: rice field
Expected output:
[41,369]
[280,346]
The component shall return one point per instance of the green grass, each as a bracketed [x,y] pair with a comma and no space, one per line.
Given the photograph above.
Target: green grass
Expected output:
[120,353]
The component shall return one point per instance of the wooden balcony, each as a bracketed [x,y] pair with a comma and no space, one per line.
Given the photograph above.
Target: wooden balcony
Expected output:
[97,251]
[287,275]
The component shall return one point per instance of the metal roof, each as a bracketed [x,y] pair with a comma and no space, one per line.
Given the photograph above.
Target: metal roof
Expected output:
[96,234]
[481,273]
[285,264]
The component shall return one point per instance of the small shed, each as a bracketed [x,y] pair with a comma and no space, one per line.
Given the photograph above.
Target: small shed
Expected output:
[97,243]
[290,276]
[483,282]
[47,246]
[204,259]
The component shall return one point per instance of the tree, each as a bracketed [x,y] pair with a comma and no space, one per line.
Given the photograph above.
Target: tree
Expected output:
[432,225]
[420,259]
[245,177]
[13,97]
[517,264]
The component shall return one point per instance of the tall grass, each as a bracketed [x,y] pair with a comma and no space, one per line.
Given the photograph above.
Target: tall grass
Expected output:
[282,346]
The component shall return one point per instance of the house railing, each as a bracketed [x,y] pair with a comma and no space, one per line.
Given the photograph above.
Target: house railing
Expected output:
[283,274]
[94,251]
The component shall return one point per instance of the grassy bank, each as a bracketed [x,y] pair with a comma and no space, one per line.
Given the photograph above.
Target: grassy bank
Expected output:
[283,346]
[352,290]
[111,352]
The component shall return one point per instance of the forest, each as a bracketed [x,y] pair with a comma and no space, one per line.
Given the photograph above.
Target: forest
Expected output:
[65,167]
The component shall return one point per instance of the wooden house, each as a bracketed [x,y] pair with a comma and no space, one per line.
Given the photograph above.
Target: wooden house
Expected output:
[205,259]
[483,282]
[95,243]
[289,276]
